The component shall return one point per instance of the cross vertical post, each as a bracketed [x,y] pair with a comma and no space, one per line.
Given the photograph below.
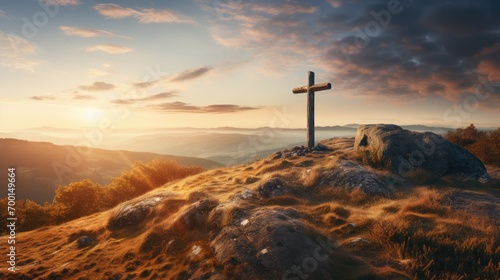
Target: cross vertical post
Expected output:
[310,89]
[310,110]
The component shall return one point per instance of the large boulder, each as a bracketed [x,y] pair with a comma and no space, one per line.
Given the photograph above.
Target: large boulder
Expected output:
[405,151]
[276,244]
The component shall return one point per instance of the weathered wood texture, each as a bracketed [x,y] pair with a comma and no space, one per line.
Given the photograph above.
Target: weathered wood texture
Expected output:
[310,89]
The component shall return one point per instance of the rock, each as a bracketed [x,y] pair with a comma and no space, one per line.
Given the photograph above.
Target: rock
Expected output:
[275,241]
[350,175]
[84,241]
[320,147]
[405,151]
[247,194]
[273,187]
[195,216]
[277,155]
[476,204]
[135,211]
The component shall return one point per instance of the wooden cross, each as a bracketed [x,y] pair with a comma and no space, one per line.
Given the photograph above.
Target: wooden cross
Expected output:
[310,89]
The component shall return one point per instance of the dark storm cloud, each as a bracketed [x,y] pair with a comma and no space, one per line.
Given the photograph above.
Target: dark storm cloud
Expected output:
[427,48]
[378,47]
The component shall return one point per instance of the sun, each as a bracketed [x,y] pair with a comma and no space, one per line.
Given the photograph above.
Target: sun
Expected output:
[90,114]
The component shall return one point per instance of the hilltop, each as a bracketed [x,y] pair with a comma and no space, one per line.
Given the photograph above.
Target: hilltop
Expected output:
[327,213]
[43,166]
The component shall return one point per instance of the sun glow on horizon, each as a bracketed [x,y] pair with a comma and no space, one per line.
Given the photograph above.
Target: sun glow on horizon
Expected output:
[90,114]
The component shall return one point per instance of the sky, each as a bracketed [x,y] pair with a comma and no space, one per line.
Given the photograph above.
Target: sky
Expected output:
[215,63]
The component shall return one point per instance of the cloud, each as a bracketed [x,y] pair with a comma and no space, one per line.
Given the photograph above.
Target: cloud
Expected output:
[288,8]
[428,48]
[15,52]
[181,107]
[103,71]
[108,48]
[3,14]
[87,32]
[159,96]
[191,74]
[145,84]
[97,86]
[143,15]
[187,75]
[43,97]
[60,2]
[277,34]
[335,3]
[83,97]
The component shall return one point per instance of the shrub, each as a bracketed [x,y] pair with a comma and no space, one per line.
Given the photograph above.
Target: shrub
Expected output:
[77,200]
[483,144]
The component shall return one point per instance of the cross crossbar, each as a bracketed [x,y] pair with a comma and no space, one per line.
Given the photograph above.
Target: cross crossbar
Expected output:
[310,89]
[317,87]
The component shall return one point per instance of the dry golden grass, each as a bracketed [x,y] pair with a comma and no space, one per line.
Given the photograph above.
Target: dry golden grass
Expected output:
[415,233]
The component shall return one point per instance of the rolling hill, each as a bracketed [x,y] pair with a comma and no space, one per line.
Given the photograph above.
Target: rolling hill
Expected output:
[292,215]
[42,167]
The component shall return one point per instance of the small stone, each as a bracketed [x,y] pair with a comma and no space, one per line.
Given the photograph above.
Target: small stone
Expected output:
[359,239]
[264,251]
[277,155]
[244,222]
[84,241]
[195,250]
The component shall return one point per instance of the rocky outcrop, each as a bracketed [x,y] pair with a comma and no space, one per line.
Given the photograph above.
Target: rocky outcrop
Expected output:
[135,211]
[405,151]
[351,175]
[276,244]
[273,187]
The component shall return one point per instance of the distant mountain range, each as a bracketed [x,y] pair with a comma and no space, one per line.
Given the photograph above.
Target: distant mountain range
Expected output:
[226,145]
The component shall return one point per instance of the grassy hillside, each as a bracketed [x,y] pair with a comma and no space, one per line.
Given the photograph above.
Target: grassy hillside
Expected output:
[438,229]
[42,167]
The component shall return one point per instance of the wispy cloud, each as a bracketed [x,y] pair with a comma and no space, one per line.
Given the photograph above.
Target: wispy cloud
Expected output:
[15,52]
[191,74]
[181,107]
[43,97]
[276,33]
[3,14]
[155,97]
[145,84]
[103,71]
[108,48]
[60,2]
[288,8]
[88,32]
[97,86]
[143,15]
[83,97]
[335,3]
[186,75]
